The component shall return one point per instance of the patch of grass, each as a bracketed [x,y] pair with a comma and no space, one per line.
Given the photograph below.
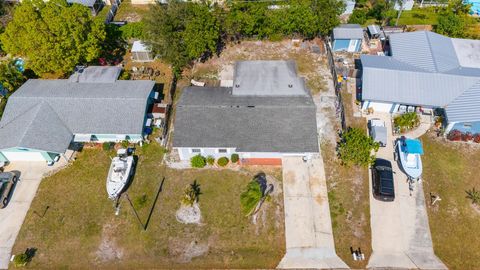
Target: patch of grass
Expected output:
[419,16]
[348,196]
[449,169]
[80,218]
[131,13]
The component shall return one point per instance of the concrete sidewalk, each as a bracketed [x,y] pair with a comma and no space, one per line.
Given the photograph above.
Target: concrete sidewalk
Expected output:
[400,232]
[12,217]
[308,227]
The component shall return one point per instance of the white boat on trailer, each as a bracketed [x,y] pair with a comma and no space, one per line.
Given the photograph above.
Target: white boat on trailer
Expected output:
[409,152]
[121,170]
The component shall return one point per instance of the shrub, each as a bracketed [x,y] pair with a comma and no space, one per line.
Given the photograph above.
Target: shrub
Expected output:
[132,30]
[406,121]
[141,201]
[20,260]
[107,146]
[198,161]
[476,138]
[210,160]
[250,197]
[125,144]
[223,161]
[234,158]
[473,195]
[191,194]
[454,135]
[467,136]
[355,147]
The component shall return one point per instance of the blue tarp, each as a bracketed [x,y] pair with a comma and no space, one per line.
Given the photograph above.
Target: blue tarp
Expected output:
[412,146]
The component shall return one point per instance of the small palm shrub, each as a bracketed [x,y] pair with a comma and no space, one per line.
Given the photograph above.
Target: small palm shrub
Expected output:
[198,161]
[20,260]
[107,146]
[250,197]
[191,194]
[473,195]
[210,160]
[223,161]
[234,158]
[406,121]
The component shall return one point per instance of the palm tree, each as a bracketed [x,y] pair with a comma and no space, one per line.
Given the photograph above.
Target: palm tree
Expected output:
[473,195]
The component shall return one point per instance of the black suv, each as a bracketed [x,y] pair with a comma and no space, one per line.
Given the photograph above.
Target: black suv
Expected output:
[7,183]
[382,176]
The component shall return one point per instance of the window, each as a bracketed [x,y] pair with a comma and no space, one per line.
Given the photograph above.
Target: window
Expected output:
[222,150]
[196,150]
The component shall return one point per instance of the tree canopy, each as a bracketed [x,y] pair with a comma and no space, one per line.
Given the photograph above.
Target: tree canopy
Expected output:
[181,31]
[53,36]
[355,147]
[454,21]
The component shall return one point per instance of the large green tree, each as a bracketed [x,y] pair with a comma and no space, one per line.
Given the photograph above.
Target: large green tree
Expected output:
[356,147]
[53,36]
[181,31]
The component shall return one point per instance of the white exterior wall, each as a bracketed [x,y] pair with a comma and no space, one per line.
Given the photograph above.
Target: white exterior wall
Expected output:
[380,106]
[187,153]
[23,156]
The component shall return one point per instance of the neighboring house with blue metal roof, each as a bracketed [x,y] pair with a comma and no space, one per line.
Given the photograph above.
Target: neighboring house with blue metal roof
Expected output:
[426,70]
[347,37]
[43,117]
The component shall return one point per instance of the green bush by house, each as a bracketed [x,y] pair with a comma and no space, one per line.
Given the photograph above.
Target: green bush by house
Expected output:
[406,121]
[198,161]
[234,158]
[223,161]
[210,160]
[107,146]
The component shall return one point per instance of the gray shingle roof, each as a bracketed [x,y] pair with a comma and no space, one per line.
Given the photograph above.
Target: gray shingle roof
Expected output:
[425,69]
[212,117]
[85,108]
[96,74]
[267,78]
[30,130]
[348,31]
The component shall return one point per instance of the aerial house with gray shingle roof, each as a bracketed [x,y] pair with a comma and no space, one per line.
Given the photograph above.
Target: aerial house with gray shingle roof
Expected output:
[426,70]
[43,117]
[267,114]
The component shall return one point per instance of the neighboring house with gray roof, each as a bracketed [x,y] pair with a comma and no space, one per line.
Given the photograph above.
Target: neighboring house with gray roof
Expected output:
[268,116]
[94,5]
[347,37]
[426,70]
[43,117]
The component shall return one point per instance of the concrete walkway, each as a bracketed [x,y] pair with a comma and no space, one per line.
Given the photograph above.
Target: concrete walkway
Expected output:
[308,227]
[400,232]
[12,217]
[425,125]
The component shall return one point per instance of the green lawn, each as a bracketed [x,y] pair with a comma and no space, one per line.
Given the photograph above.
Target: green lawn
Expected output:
[421,16]
[449,170]
[131,13]
[80,229]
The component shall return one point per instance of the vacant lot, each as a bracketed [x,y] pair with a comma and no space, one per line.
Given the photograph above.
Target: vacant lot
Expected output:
[80,230]
[419,16]
[449,170]
[131,13]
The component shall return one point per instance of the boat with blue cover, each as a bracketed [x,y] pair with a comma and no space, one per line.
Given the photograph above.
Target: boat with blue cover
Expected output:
[409,153]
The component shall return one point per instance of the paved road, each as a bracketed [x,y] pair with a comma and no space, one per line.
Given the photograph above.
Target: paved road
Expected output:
[400,231]
[12,217]
[308,227]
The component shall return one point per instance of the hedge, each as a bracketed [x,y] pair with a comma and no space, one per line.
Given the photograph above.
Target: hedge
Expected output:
[223,161]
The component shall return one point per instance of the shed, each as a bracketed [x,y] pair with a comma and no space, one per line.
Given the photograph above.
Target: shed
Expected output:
[347,37]
[141,52]
[373,31]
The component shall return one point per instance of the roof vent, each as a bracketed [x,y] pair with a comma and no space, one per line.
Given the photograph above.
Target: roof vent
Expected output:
[290,85]
[237,85]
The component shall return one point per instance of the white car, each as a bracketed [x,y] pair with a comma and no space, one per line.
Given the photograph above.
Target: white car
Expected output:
[378,131]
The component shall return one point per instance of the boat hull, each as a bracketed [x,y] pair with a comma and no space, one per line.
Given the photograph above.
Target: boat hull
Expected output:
[411,163]
[117,181]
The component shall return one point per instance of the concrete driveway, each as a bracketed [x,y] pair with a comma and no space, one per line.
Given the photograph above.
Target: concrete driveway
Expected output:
[400,232]
[12,217]
[308,227]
